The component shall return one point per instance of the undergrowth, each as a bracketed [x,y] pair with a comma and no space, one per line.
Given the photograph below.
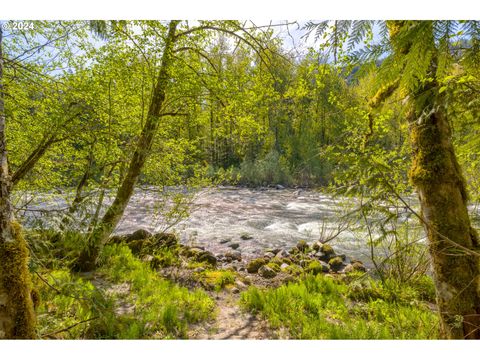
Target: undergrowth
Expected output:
[319,307]
[125,299]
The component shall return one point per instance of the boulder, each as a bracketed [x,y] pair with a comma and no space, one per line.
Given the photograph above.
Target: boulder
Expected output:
[208,257]
[269,255]
[302,246]
[266,272]
[327,249]
[165,239]
[358,266]
[117,239]
[240,285]
[336,263]
[255,264]
[282,254]
[233,256]
[274,267]
[139,234]
[320,255]
[136,246]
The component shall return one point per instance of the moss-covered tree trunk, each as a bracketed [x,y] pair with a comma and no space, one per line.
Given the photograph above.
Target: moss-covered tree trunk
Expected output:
[452,241]
[438,179]
[17,316]
[88,258]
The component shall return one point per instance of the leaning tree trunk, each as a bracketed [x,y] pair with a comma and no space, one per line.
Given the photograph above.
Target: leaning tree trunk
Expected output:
[438,179]
[88,258]
[17,316]
[453,243]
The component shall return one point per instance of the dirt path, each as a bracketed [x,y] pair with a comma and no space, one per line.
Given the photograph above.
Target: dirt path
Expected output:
[231,322]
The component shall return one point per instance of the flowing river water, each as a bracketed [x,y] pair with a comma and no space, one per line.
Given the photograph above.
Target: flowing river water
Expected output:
[250,220]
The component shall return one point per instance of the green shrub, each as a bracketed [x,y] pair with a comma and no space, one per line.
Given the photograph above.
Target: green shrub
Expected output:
[270,170]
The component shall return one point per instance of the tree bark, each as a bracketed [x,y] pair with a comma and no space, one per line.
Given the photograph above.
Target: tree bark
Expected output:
[453,243]
[438,179]
[17,316]
[88,258]
[32,160]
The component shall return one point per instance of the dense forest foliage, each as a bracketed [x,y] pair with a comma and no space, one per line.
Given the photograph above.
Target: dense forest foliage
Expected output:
[94,109]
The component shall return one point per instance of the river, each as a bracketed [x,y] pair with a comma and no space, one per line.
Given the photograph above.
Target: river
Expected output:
[253,219]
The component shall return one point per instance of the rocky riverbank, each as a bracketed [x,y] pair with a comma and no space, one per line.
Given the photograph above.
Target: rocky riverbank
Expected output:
[194,266]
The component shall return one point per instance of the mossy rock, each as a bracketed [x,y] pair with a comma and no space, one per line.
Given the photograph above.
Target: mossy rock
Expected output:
[117,239]
[233,256]
[358,266]
[246,236]
[137,246]
[327,250]
[139,234]
[336,263]
[267,272]
[294,270]
[165,239]
[317,246]
[277,261]
[207,257]
[303,246]
[190,252]
[255,264]
[275,267]
[316,267]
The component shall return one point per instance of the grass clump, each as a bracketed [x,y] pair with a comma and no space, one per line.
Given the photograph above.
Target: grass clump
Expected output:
[162,309]
[319,307]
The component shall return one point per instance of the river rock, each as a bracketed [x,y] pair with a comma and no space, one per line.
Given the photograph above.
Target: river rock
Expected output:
[282,254]
[320,255]
[136,246]
[357,265]
[139,234]
[246,237]
[283,266]
[234,246]
[267,272]
[279,187]
[233,256]
[208,257]
[240,284]
[336,263]
[255,264]
[327,249]
[117,239]
[302,246]
[224,241]
[269,255]
[165,239]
